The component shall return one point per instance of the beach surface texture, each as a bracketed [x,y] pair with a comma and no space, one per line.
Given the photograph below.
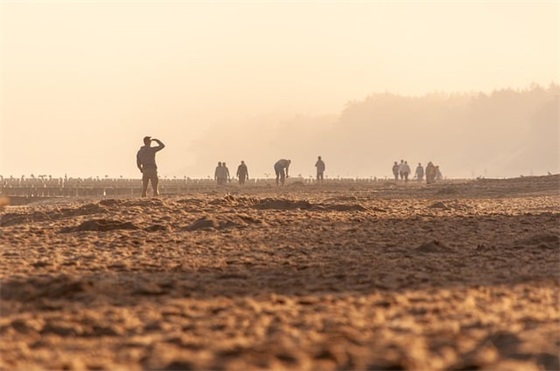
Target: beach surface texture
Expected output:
[458,275]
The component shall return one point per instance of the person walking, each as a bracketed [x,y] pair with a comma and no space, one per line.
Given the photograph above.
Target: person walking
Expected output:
[226,173]
[320,165]
[242,173]
[219,174]
[430,173]
[281,169]
[396,171]
[405,170]
[419,173]
[401,168]
[438,173]
[146,162]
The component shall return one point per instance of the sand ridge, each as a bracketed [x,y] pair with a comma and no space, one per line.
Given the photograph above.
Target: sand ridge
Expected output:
[446,277]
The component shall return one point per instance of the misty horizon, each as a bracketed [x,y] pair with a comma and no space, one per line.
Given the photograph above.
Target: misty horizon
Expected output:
[301,127]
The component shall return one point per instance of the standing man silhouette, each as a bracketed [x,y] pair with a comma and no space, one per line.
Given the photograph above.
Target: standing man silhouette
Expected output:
[219,174]
[419,172]
[396,168]
[320,165]
[242,173]
[405,170]
[146,162]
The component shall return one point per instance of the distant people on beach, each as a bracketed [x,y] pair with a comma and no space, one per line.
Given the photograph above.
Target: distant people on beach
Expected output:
[438,173]
[320,165]
[146,162]
[226,172]
[401,167]
[220,174]
[396,171]
[281,169]
[430,173]
[242,173]
[419,175]
[217,173]
[404,170]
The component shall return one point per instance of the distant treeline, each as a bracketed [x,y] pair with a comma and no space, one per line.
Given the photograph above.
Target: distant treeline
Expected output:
[505,133]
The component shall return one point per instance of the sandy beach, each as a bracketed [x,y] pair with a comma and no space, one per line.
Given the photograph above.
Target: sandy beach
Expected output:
[334,277]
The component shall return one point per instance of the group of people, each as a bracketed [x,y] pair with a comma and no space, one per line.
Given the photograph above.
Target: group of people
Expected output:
[281,169]
[146,162]
[221,174]
[403,171]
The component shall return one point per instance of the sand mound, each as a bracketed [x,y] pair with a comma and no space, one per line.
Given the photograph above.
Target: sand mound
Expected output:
[202,223]
[100,225]
[10,219]
[189,201]
[279,204]
[88,209]
[342,198]
[230,200]
[52,215]
[214,223]
[148,202]
[340,207]
[111,202]
[14,219]
[48,287]
[542,241]
[157,228]
[438,205]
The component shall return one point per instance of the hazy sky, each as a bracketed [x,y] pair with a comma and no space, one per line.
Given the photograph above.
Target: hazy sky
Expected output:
[83,81]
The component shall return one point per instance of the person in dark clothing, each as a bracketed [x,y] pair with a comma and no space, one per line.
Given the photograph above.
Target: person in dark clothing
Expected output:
[146,162]
[430,173]
[320,165]
[396,171]
[220,174]
[242,173]
[226,172]
[281,169]
[419,173]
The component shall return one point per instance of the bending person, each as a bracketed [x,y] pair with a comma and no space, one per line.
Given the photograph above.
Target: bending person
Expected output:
[281,168]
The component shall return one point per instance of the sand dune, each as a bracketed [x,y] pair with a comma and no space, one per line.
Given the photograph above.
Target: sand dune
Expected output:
[451,276]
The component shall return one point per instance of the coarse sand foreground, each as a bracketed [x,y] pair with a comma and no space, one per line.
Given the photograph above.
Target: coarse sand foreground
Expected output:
[449,276]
